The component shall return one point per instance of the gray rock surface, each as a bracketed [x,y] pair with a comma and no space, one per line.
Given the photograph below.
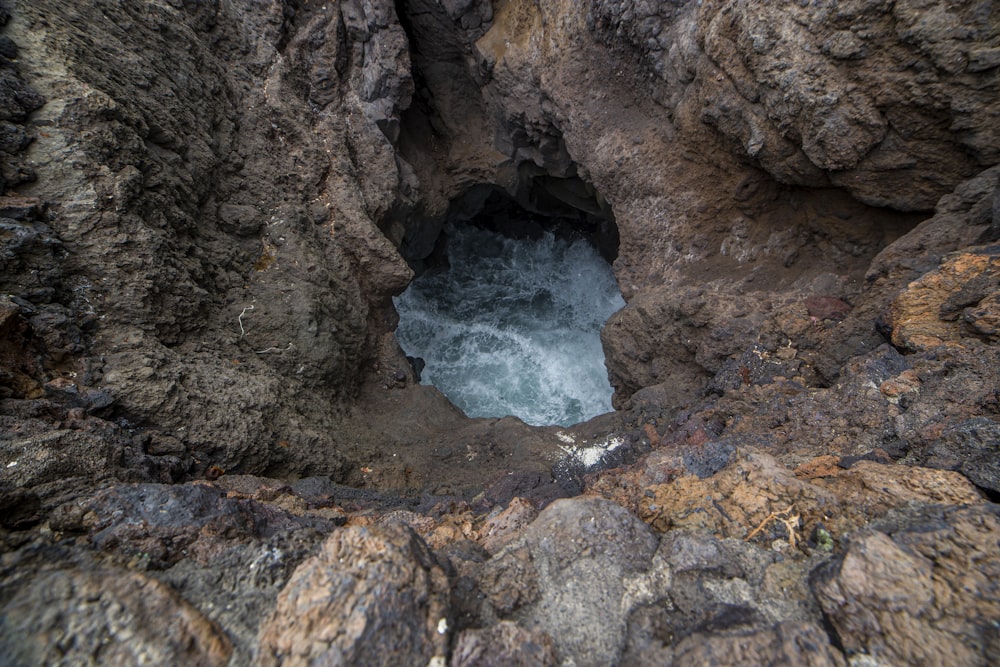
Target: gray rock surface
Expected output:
[71,617]
[502,644]
[571,574]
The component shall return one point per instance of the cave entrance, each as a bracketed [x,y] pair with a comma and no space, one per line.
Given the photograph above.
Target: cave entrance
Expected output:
[505,313]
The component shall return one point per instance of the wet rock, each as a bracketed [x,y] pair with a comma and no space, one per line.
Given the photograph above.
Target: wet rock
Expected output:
[504,644]
[73,616]
[371,596]
[920,594]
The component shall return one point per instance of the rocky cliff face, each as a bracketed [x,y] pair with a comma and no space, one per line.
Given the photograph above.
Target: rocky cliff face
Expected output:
[207,207]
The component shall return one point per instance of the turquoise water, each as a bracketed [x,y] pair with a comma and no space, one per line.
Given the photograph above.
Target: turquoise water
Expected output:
[512,327]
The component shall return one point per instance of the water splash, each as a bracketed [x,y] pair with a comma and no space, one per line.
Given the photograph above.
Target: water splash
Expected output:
[512,327]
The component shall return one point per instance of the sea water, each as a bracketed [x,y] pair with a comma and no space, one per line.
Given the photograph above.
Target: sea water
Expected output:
[512,327]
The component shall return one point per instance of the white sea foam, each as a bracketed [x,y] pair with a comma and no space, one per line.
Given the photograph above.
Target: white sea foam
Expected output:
[512,327]
[589,456]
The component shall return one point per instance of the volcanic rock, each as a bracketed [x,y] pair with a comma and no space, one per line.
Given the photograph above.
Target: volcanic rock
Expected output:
[369,596]
[206,209]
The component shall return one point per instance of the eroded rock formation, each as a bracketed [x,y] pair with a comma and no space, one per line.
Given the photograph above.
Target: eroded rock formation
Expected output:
[207,206]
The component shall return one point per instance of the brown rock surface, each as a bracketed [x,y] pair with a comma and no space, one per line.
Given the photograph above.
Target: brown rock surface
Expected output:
[924,594]
[369,596]
[755,497]
[932,310]
[504,644]
[786,644]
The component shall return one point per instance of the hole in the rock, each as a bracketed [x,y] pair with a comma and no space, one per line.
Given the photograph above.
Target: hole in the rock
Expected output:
[506,312]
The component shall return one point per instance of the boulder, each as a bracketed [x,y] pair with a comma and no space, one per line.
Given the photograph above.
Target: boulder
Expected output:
[113,617]
[574,575]
[925,592]
[371,596]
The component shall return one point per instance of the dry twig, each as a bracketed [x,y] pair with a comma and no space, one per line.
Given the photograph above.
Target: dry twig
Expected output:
[785,516]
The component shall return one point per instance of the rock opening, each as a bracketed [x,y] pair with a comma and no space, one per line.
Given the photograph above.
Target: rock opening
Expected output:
[505,315]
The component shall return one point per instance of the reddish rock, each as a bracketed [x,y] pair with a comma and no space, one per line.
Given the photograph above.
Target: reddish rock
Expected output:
[917,322]
[371,596]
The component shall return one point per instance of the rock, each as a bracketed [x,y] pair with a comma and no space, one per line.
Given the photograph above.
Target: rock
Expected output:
[827,307]
[510,580]
[370,596]
[536,487]
[504,644]
[502,527]
[785,644]
[239,586]
[972,447]
[589,558]
[921,315]
[206,288]
[17,99]
[19,508]
[919,594]
[169,523]
[22,209]
[754,366]
[754,497]
[72,616]
[239,219]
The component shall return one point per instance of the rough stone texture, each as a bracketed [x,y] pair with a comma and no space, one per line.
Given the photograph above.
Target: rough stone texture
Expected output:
[756,491]
[504,644]
[502,527]
[920,594]
[202,170]
[821,90]
[110,617]
[370,596]
[206,207]
[167,523]
[954,301]
[785,644]
[588,557]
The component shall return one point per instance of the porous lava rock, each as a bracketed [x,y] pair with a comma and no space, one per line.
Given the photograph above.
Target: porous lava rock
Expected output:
[369,596]
[111,616]
[884,595]
[206,208]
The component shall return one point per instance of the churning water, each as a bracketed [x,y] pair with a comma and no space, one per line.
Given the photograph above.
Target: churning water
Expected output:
[512,327]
